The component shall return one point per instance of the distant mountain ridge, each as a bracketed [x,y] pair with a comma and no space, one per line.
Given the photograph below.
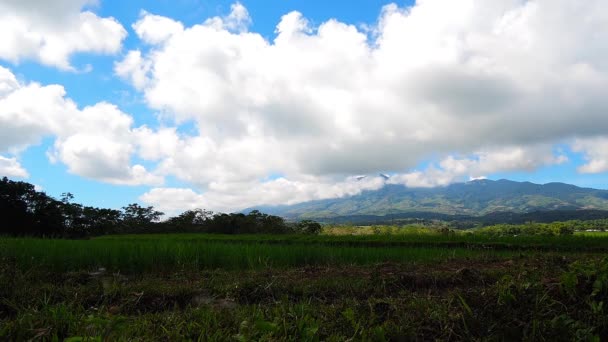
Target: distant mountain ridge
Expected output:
[471,199]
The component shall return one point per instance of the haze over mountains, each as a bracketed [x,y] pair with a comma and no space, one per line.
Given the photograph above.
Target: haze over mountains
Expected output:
[475,198]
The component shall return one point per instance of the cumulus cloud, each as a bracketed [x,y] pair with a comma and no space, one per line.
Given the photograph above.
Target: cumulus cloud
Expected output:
[96,142]
[235,196]
[483,86]
[134,68]
[237,21]
[51,31]
[595,152]
[155,29]
[10,167]
[487,74]
[482,164]
[105,154]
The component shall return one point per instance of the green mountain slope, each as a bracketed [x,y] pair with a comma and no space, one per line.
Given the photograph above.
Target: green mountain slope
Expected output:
[476,198]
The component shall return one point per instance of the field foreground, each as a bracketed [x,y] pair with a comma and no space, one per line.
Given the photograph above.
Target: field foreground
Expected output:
[191,287]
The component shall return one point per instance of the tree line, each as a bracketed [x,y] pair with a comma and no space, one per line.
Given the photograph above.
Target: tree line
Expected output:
[28,212]
[545,229]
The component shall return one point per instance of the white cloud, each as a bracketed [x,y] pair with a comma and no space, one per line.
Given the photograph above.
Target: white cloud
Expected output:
[133,68]
[488,74]
[230,197]
[595,152]
[51,31]
[155,29]
[482,164]
[172,201]
[488,86]
[97,142]
[24,122]
[237,21]
[10,167]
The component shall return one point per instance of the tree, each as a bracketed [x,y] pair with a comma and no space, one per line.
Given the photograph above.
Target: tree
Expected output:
[137,217]
[309,227]
[189,221]
[26,211]
[192,217]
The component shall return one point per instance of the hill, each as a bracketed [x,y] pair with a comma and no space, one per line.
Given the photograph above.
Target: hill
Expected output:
[479,198]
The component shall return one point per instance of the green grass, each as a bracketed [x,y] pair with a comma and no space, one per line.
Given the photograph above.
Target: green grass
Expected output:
[166,253]
[142,253]
[592,234]
[411,238]
[414,236]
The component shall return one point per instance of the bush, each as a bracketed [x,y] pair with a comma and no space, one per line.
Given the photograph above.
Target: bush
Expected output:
[309,227]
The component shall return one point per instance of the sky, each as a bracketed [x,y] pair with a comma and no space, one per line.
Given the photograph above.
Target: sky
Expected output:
[226,105]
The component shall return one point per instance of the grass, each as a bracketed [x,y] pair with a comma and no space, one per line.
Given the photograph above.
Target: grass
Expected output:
[170,252]
[416,286]
[413,238]
[592,234]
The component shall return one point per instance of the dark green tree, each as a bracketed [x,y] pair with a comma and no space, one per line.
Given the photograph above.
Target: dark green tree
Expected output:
[137,217]
[309,227]
[26,211]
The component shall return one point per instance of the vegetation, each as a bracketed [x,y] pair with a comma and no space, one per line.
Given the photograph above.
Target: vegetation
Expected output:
[297,287]
[546,229]
[144,253]
[27,212]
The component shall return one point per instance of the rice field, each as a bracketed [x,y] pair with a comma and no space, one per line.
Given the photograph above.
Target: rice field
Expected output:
[582,241]
[162,253]
[166,252]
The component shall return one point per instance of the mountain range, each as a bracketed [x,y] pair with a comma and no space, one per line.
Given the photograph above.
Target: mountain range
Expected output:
[478,198]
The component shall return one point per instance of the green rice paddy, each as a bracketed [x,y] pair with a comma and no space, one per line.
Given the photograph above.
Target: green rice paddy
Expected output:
[166,252]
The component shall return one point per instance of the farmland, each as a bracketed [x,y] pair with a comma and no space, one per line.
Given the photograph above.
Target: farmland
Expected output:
[391,285]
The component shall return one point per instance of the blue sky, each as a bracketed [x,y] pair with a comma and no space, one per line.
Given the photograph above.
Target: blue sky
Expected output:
[293,156]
